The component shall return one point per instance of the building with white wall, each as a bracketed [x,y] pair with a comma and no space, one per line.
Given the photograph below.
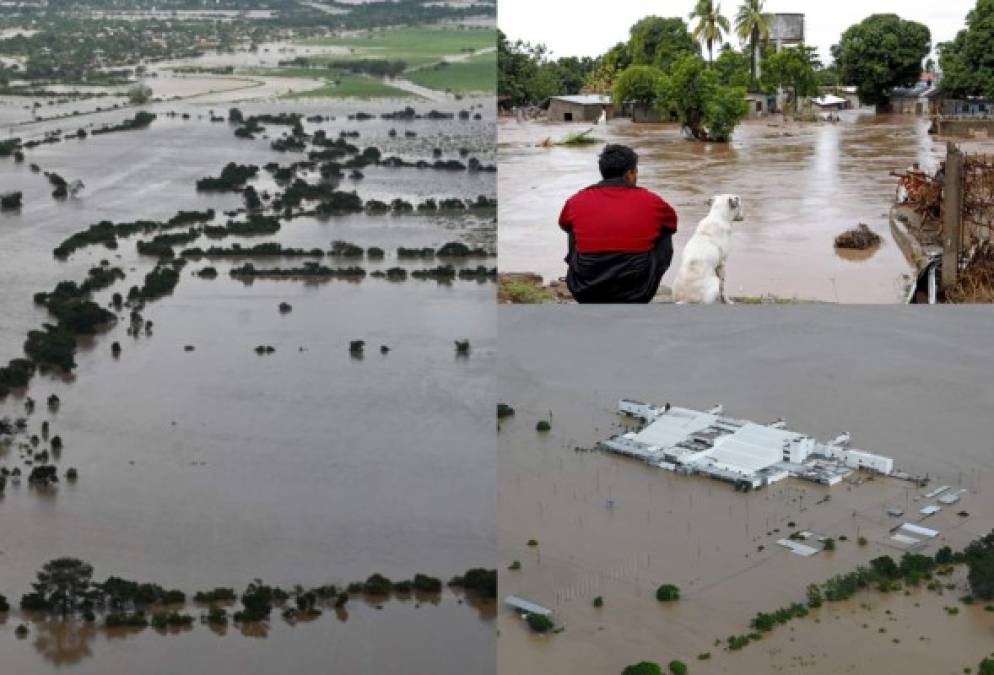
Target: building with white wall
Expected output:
[738,451]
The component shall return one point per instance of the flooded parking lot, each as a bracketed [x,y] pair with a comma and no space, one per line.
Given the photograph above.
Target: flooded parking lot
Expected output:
[214,465]
[802,185]
[909,385]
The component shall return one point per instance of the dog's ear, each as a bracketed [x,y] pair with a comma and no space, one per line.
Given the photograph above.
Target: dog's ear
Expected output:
[733,202]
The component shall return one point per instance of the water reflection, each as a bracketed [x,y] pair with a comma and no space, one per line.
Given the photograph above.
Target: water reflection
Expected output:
[63,643]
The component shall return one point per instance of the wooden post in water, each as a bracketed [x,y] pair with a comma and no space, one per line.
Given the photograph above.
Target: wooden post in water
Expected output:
[952,215]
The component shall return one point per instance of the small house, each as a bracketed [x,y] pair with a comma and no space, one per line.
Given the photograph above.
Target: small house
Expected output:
[580,108]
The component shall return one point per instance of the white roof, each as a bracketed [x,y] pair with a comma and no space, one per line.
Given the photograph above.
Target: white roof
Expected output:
[751,448]
[919,530]
[906,540]
[798,549]
[827,100]
[674,426]
[930,510]
[526,606]
[585,99]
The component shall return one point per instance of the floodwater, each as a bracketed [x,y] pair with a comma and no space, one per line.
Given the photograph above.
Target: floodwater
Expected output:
[802,185]
[217,466]
[916,386]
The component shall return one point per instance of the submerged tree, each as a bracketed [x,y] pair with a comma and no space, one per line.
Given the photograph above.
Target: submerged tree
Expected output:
[63,585]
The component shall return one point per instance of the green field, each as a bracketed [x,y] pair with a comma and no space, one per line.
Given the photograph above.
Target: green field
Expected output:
[352,86]
[476,74]
[417,46]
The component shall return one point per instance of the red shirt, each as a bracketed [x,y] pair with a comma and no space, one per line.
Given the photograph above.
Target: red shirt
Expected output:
[616,218]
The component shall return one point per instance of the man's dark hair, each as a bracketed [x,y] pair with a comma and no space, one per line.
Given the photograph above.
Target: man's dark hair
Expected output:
[616,160]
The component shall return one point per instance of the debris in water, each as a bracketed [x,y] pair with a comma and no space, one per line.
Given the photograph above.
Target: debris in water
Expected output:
[859,238]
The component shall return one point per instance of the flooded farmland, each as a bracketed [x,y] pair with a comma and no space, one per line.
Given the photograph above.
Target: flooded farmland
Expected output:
[202,463]
[802,185]
[911,385]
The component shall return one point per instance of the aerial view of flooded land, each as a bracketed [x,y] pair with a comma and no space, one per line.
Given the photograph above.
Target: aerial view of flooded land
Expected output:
[630,563]
[247,346]
[839,131]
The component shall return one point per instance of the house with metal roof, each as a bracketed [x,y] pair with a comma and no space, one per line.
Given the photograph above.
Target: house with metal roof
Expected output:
[579,108]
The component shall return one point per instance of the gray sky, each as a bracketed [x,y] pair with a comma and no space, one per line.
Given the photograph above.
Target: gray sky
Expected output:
[588,28]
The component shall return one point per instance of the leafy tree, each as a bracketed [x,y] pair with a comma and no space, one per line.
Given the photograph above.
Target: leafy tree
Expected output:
[885,567]
[540,623]
[607,67]
[711,26]
[968,61]
[981,575]
[139,94]
[733,69]
[643,668]
[792,69]
[986,667]
[637,83]
[678,668]
[752,25]
[63,584]
[708,110]
[519,77]
[882,52]
[655,41]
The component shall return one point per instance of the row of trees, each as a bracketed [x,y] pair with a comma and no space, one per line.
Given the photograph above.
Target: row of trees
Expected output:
[881,52]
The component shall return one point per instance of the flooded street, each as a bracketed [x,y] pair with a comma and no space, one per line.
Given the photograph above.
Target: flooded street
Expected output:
[214,466]
[915,386]
[802,185]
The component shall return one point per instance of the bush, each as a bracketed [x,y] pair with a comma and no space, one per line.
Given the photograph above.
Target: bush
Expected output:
[678,668]
[504,410]
[543,425]
[667,593]
[539,623]
[643,668]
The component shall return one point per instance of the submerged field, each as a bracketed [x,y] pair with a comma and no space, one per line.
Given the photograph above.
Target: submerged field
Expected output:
[577,525]
[204,461]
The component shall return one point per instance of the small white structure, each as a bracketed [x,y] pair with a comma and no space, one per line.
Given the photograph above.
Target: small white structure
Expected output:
[930,510]
[936,492]
[748,454]
[949,499]
[526,606]
[796,548]
[919,531]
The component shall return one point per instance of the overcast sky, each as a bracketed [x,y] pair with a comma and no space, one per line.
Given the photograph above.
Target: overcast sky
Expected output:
[589,28]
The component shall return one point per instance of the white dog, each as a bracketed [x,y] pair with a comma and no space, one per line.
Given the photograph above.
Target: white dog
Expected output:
[701,279]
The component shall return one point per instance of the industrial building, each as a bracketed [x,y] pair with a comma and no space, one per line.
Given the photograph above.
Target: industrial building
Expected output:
[748,454]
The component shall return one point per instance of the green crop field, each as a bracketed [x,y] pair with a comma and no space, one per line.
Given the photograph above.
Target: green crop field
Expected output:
[417,45]
[476,74]
[352,86]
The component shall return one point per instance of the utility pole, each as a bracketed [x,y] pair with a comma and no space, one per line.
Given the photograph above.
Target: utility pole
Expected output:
[952,214]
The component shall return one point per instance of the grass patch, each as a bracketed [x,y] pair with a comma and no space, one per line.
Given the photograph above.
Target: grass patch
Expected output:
[350,86]
[476,74]
[524,293]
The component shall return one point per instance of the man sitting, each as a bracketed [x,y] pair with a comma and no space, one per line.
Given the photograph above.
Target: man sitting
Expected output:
[620,235]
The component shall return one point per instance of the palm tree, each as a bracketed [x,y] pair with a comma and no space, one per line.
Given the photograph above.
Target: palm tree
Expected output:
[711,25]
[753,25]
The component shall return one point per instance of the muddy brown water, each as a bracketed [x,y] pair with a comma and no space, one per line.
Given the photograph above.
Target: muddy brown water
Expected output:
[217,466]
[802,185]
[909,384]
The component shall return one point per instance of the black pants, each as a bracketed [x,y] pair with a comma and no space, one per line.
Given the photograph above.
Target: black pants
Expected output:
[618,277]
